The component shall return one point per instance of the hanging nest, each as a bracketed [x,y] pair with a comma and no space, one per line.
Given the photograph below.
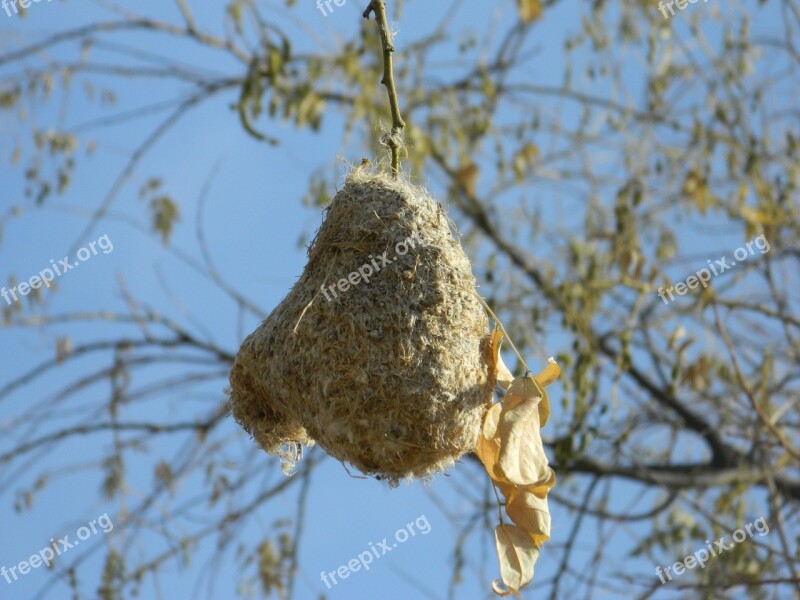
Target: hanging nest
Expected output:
[388,371]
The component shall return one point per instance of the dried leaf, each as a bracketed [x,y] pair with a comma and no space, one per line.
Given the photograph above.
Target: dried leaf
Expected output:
[510,447]
[524,159]
[529,511]
[518,555]
[488,449]
[539,489]
[522,460]
[164,213]
[467,177]
[491,421]
[503,375]
[529,10]
[550,373]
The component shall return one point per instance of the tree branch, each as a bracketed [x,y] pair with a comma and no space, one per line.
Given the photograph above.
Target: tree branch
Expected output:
[395,138]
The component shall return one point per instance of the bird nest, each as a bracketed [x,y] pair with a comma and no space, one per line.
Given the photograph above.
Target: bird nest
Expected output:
[380,352]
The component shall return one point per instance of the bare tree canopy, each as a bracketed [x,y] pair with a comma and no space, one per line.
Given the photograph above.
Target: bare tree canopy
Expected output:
[623,176]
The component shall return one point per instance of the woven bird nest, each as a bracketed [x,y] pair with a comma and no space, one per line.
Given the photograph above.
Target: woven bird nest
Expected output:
[379,352]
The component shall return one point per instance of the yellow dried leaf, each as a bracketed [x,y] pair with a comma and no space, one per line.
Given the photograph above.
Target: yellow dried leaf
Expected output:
[491,420]
[488,449]
[550,373]
[488,452]
[505,488]
[522,388]
[529,511]
[518,555]
[494,347]
[529,10]
[510,447]
[467,177]
[755,216]
[539,489]
[524,159]
[544,410]
[503,375]
[522,460]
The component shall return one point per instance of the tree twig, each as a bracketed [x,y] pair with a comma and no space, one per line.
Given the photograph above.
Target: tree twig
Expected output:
[749,392]
[394,140]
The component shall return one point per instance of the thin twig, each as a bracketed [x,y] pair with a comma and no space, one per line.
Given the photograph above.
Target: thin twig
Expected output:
[746,388]
[778,525]
[505,333]
[298,533]
[191,26]
[395,139]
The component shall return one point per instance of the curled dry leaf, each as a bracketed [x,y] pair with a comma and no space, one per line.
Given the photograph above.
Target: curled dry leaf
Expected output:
[510,448]
[529,10]
[488,449]
[550,373]
[522,460]
[546,377]
[518,555]
[504,376]
[539,489]
[529,511]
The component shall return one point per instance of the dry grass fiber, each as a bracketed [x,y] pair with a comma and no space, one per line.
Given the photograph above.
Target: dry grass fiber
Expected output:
[391,375]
